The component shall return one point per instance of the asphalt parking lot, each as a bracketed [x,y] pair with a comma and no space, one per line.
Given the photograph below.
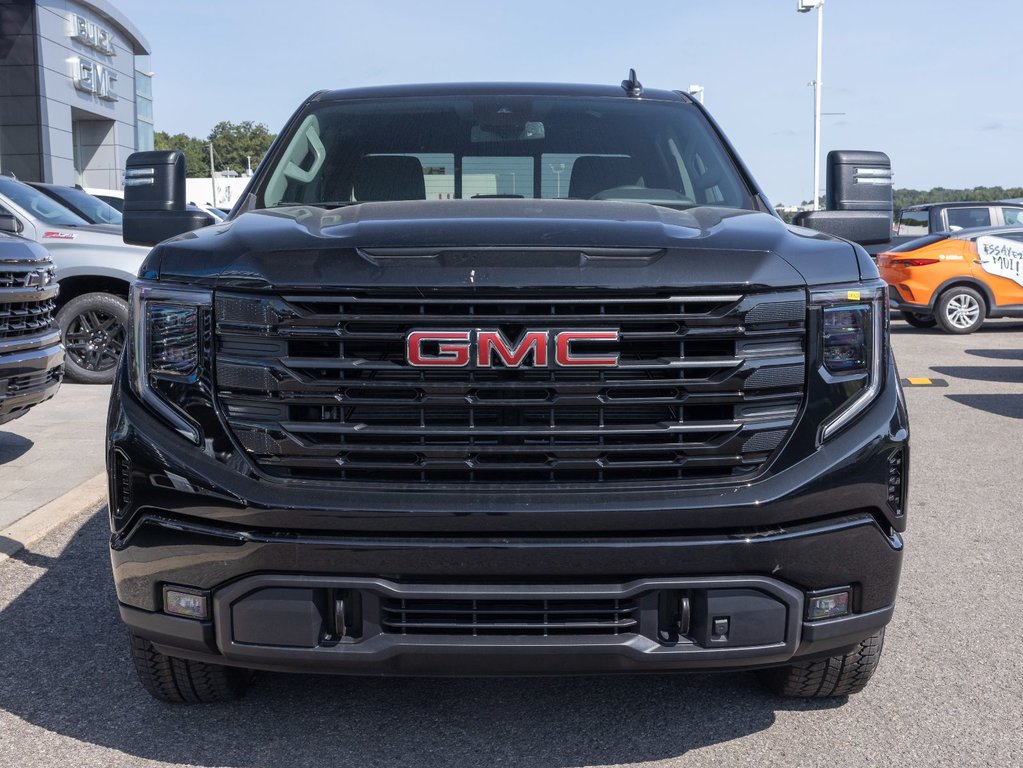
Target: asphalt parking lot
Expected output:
[948,691]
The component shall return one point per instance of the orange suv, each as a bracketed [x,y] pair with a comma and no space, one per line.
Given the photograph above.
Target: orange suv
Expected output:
[957,279]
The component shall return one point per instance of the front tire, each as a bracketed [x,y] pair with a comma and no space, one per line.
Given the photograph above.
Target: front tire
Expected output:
[182,681]
[961,310]
[93,327]
[833,676]
[919,319]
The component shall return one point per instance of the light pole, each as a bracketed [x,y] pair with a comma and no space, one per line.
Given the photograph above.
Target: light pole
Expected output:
[805,6]
[557,172]
[696,91]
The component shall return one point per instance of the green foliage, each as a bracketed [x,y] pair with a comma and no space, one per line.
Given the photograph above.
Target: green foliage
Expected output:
[197,161]
[905,197]
[232,144]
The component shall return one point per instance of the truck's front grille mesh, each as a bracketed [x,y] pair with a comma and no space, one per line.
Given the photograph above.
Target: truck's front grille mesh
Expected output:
[318,387]
[25,307]
[545,618]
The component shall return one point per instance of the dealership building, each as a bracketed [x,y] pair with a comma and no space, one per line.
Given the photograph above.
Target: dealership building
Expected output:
[75,92]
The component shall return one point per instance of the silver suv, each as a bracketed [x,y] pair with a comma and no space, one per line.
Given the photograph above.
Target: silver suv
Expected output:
[94,269]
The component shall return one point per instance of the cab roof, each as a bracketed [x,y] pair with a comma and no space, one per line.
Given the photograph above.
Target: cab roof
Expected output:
[497,89]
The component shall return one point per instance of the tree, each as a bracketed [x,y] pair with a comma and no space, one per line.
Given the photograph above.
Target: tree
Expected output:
[196,154]
[234,143]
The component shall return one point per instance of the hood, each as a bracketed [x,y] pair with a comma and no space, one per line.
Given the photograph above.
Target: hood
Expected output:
[110,229]
[102,235]
[504,243]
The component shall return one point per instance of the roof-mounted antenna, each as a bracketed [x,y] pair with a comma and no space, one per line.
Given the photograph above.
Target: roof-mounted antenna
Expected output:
[632,86]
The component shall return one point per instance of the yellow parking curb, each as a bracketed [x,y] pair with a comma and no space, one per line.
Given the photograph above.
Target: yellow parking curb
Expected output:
[924,382]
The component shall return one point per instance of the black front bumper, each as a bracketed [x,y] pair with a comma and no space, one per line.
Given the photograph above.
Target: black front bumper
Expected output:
[31,370]
[274,618]
[270,555]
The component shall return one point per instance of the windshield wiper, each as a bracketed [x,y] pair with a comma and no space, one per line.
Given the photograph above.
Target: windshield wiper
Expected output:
[325,204]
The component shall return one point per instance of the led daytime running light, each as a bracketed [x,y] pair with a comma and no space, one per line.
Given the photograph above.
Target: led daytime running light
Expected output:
[851,340]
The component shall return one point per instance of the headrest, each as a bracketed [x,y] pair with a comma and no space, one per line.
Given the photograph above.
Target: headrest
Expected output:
[592,174]
[389,177]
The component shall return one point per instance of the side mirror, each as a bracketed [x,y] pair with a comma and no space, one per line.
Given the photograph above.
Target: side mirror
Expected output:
[859,198]
[10,223]
[154,199]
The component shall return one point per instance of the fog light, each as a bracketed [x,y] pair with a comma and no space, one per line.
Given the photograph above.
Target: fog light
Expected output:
[192,605]
[827,606]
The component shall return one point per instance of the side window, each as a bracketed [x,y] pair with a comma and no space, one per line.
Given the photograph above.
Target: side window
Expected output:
[1012,216]
[914,223]
[964,218]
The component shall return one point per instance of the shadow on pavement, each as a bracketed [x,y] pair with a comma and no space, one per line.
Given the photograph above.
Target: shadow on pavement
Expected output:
[67,670]
[1008,374]
[13,446]
[1010,406]
[997,354]
[28,558]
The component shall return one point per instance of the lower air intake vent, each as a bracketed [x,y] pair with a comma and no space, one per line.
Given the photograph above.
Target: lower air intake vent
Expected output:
[545,618]
[120,484]
[897,482]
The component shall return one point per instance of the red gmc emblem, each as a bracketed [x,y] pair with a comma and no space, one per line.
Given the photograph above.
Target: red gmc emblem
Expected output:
[457,349]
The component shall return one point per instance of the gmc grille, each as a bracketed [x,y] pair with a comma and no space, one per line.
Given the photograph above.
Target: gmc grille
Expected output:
[318,387]
[25,310]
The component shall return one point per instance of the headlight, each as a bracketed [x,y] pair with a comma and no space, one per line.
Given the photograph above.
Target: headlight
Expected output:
[853,323]
[172,333]
[167,350]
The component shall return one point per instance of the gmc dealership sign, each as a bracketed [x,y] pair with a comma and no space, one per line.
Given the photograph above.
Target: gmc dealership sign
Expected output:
[90,76]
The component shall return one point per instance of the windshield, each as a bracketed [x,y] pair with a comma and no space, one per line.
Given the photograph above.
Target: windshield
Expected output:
[444,148]
[38,205]
[91,208]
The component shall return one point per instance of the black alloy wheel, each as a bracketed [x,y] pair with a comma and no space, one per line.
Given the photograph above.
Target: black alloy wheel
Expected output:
[94,329]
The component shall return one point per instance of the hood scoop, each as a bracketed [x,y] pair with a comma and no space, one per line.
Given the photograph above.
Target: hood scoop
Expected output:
[539,257]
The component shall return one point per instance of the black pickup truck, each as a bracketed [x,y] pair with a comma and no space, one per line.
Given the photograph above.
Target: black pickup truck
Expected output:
[31,357]
[503,379]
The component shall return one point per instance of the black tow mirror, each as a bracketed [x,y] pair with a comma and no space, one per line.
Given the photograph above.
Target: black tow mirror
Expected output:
[10,223]
[154,199]
[859,198]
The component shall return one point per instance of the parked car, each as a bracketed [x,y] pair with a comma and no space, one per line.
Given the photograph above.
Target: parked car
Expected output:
[931,218]
[31,359]
[957,279]
[76,199]
[915,221]
[115,199]
[94,268]
[217,214]
[112,197]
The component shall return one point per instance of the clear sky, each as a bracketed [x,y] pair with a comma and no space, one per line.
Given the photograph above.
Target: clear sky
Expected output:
[937,84]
